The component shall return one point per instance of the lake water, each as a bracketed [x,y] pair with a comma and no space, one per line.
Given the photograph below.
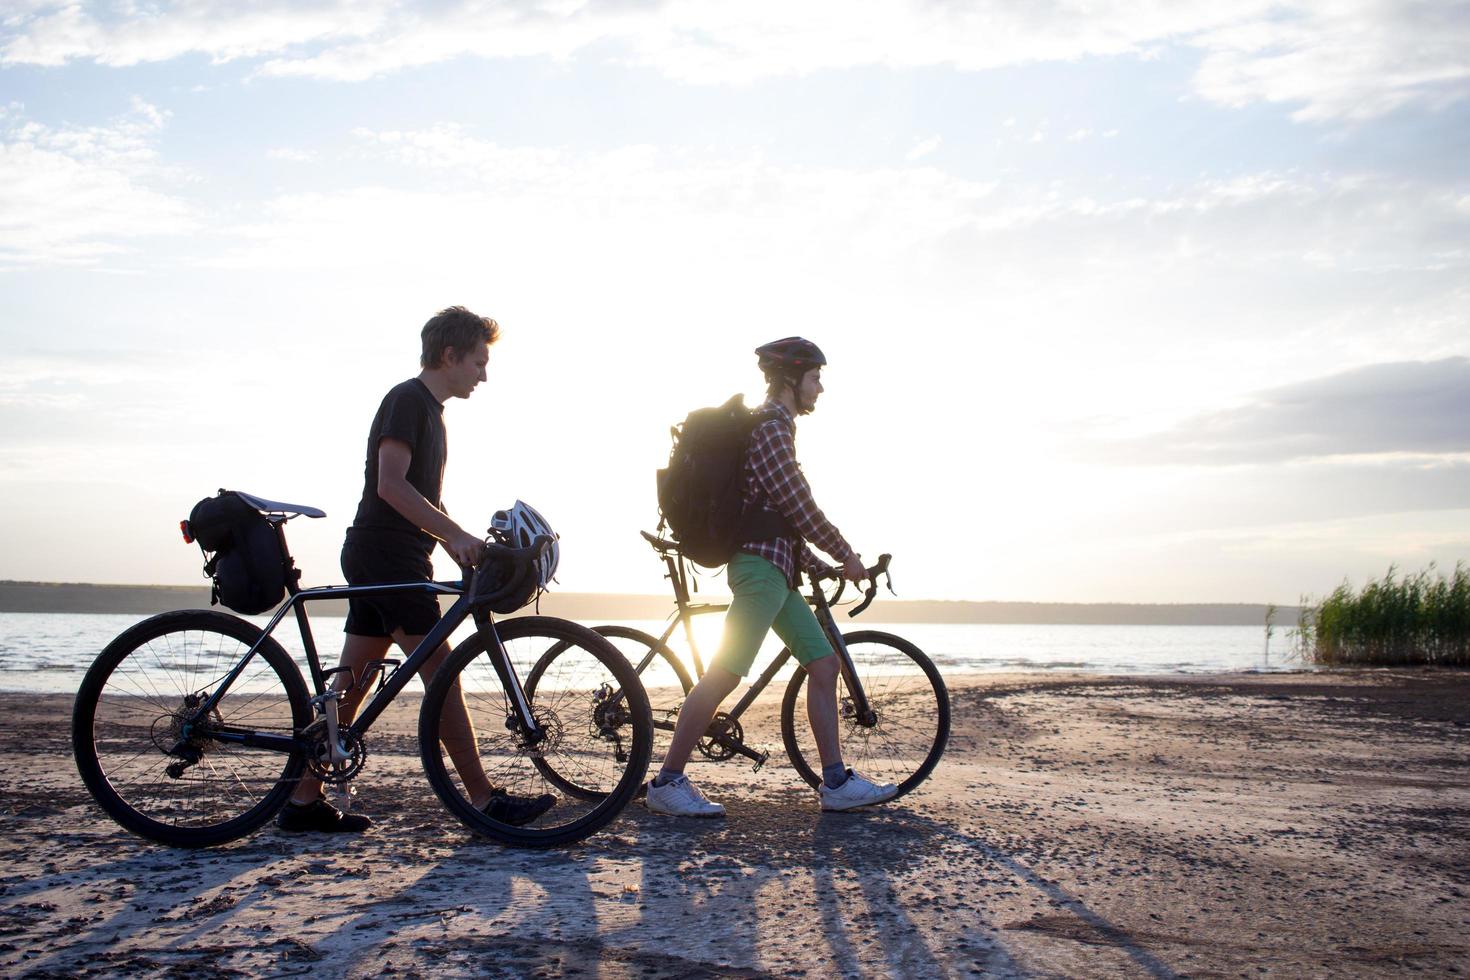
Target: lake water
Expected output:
[49,652]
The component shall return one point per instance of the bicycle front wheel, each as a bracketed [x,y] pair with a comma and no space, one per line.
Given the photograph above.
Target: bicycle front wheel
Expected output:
[593,718]
[158,768]
[902,745]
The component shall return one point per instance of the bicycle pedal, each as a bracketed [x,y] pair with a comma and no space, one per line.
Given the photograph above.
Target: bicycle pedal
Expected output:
[340,795]
[760,761]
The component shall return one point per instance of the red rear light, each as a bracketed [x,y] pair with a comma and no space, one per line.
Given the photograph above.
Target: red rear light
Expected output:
[184,530]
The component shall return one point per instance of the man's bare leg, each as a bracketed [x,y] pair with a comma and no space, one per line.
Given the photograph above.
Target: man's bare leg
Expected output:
[456,729]
[821,708]
[698,711]
[841,788]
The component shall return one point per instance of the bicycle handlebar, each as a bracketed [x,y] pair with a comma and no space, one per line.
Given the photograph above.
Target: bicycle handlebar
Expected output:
[496,551]
[871,592]
[525,555]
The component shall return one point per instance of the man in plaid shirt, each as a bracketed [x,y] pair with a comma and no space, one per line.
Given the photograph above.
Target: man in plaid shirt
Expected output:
[763,579]
[774,481]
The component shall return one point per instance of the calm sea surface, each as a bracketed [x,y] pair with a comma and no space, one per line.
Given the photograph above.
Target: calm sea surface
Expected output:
[49,652]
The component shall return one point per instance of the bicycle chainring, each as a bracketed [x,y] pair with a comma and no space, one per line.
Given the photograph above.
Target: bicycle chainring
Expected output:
[318,755]
[730,728]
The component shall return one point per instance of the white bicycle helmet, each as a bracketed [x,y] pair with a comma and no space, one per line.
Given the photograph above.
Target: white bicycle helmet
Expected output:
[519,527]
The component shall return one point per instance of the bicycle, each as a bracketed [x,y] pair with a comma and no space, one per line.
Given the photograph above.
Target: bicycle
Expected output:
[893,704]
[192,728]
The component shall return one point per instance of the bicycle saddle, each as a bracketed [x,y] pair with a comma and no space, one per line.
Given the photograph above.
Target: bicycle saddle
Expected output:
[659,544]
[277,507]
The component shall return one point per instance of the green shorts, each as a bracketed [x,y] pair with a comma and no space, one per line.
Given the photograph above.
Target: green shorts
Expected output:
[763,602]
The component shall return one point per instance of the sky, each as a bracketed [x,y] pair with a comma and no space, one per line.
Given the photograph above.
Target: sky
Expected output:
[1122,301]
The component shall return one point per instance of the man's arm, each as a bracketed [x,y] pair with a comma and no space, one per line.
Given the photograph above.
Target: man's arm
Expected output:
[807,558]
[394,456]
[774,457]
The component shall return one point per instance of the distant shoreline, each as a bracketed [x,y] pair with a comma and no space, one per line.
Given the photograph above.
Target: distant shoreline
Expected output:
[74,597]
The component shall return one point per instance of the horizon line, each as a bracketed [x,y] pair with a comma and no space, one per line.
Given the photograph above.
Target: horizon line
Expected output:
[665,597]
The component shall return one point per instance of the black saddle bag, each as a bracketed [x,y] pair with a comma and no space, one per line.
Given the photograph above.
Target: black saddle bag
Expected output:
[242,551]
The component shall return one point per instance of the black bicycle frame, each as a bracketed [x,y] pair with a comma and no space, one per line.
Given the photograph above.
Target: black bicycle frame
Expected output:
[392,683]
[687,610]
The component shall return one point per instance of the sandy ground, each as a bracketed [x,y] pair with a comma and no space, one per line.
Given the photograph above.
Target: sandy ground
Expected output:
[1297,825]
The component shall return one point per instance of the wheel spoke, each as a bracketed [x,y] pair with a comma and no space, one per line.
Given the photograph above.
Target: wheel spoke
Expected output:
[566,672]
[131,727]
[908,696]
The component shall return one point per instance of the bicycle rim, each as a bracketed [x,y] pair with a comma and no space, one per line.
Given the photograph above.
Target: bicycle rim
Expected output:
[587,700]
[128,729]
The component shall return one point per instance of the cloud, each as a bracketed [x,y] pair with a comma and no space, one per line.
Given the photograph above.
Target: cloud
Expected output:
[1308,264]
[82,404]
[291,155]
[119,35]
[923,149]
[604,207]
[1354,60]
[74,195]
[1261,220]
[1411,407]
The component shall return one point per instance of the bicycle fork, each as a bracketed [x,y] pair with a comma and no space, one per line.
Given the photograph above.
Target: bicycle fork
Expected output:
[856,704]
[520,720]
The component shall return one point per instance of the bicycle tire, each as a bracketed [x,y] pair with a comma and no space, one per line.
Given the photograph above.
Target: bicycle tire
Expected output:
[664,699]
[127,715]
[904,688]
[608,741]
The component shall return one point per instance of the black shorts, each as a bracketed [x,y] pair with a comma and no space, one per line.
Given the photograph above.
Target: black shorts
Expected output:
[368,563]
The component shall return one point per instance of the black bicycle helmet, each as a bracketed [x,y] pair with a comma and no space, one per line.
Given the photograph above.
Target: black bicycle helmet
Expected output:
[789,358]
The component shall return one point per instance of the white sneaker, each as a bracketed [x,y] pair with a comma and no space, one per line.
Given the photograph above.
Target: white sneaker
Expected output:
[679,798]
[857,791]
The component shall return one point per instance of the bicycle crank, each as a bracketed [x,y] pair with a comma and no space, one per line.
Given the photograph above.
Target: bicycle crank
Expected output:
[721,738]
[327,765]
[725,738]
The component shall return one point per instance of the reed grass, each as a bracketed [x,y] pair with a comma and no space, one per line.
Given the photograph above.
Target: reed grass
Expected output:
[1419,619]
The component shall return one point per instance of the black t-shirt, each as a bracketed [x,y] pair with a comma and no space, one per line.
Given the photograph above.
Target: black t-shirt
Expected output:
[411,414]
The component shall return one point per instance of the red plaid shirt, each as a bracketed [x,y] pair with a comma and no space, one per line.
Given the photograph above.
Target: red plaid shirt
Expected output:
[773,480]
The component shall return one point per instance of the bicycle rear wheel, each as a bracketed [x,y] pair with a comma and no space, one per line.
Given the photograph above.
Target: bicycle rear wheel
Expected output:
[664,678]
[910,700]
[169,782]
[587,701]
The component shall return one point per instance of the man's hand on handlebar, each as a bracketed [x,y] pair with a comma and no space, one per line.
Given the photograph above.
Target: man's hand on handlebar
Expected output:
[465,548]
[853,571]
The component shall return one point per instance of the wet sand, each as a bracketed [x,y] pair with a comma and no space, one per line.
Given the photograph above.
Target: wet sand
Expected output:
[1230,825]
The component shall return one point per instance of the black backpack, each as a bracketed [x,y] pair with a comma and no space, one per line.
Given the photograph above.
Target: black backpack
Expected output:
[699,491]
[242,553]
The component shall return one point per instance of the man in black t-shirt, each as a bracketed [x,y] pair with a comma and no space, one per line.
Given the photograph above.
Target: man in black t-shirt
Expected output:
[399,520]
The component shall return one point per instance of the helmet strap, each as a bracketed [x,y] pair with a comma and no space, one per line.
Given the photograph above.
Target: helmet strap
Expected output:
[787,392]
